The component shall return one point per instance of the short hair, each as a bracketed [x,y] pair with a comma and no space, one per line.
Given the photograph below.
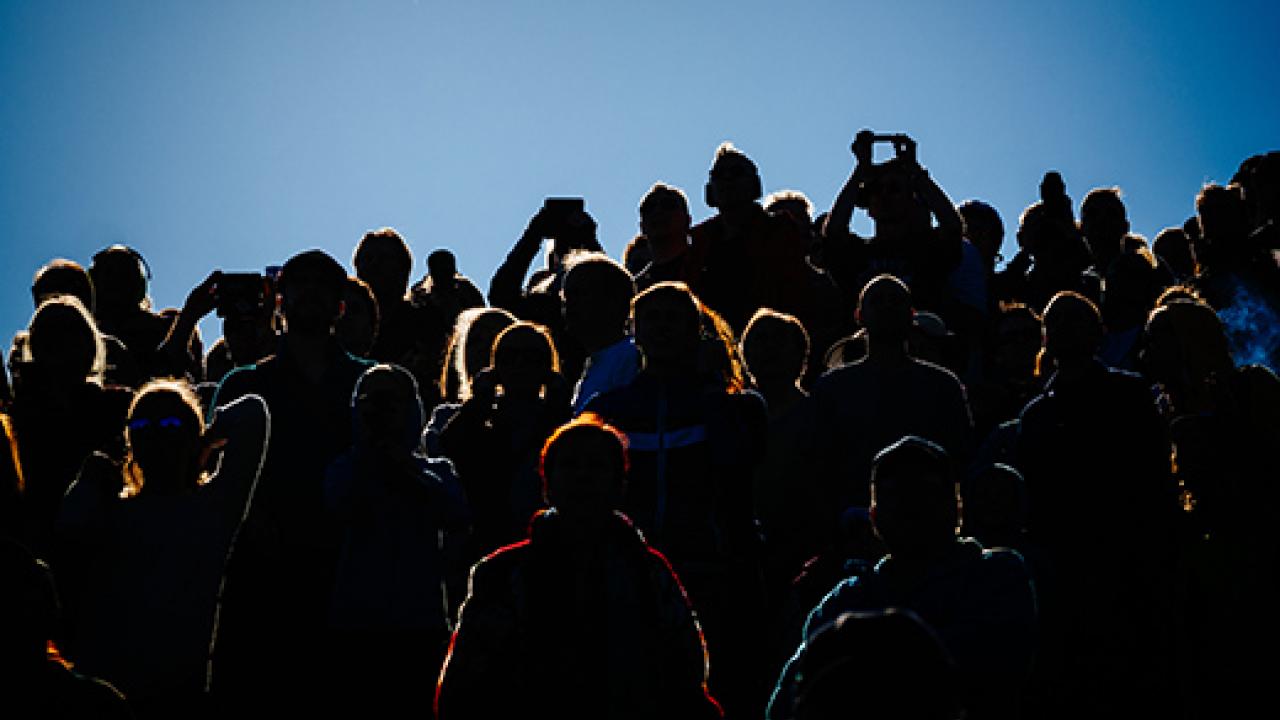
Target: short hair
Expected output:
[61,276]
[663,195]
[726,151]
[585,425]
[672,290]
[607,280]
[914,459]
[442,259]
[788,196]
[1104,200]
[790,327]
[1072,324]
[321,264]
[389,238]
[888,662]
[977,211]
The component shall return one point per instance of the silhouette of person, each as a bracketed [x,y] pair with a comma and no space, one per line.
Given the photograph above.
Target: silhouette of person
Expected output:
[568,227]
[664,232]
[280,572]
[597,296]
[1103,506]
[445,289]
[394,504]
[865,405]
[694,442]
[408,335]
[144,544]
[743,258]
[122,309]
[880,664]
[903,202]
[469,351]
[1172,247]
[583,613]
[980,602]
[357,328]
[61,413]
[495,437]
[38,682]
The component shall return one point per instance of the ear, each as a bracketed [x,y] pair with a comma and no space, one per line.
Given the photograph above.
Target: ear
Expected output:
[709,195]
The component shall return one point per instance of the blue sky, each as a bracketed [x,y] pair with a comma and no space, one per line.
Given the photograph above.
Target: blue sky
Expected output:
[234,134]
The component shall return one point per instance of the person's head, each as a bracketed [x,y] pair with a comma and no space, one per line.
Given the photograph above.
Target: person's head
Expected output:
[62,277]
[889,197]
[596,296]
[584,469]
[471,347]
[884,309]
[793,204]
[668,324]
[442,266]
[523,357]
[1016,341]
[163,432]
[664,214]
[1222,219]
[875,665]
[1185,345]
[63,341]
[983,227]
[310,288]
[1071,331]
[914,498]
[995,505]
[734,181]
[775,347]
[1174,247]
[383,259]
[119,276]
[1133,280]
[1104,221]
[1259,176]
[357,328]
[387,409]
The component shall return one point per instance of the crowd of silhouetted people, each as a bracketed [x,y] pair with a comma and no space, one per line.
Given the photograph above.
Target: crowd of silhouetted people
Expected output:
[758,467]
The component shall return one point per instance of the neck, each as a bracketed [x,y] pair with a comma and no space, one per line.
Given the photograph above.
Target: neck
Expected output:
[882,350]
[668,248]
[310,351]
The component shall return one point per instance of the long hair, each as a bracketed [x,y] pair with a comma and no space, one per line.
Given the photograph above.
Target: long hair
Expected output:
[134,481]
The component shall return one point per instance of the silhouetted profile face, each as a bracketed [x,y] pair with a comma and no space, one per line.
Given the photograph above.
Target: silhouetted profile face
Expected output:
[983,228]
[384,406]
[734,181]
[119,282]
[523,358]
[667,328]
[163,433]
[63,342]
[884,308]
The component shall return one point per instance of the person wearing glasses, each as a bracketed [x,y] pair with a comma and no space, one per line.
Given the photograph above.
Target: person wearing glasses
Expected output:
[143,544]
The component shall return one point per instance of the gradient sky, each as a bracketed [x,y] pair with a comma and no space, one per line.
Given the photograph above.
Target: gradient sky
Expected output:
[234,134]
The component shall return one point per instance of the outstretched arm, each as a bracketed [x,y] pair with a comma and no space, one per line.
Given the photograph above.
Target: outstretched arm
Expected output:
[506,285]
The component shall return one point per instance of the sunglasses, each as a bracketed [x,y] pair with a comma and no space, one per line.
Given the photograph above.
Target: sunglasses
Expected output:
[169,423]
